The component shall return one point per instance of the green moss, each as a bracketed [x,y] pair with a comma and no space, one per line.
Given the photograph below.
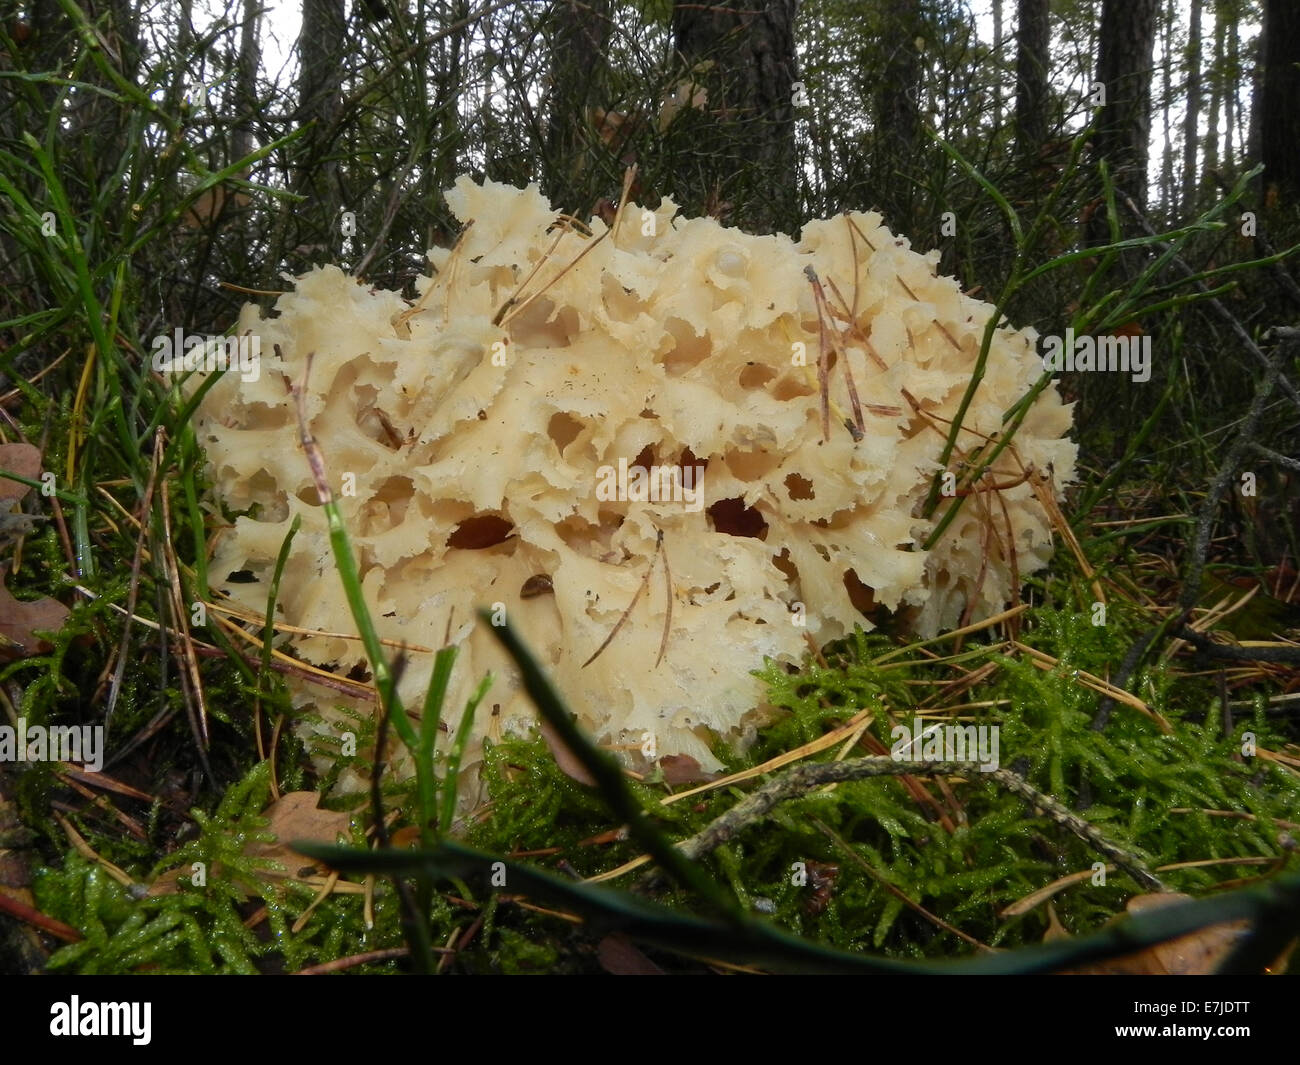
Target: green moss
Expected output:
[1133,772]
[201,926]
[519,954]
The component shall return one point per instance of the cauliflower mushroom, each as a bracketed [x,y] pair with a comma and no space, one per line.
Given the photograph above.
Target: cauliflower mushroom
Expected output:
[736,432]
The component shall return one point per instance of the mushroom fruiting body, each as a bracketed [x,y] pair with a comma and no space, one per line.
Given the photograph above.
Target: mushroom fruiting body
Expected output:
[493,432]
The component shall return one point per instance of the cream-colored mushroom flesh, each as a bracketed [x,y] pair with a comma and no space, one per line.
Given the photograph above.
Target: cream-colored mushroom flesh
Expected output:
[556,400]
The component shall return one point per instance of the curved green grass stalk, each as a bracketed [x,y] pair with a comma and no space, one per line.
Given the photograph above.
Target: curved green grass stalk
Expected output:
[451,775]
[1273,909]
[426,781]
[273,593]
[1124,307]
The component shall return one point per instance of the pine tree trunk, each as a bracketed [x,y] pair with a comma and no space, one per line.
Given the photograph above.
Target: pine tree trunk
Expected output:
[898,119]
[1033,41]
[1230,99]
[1192,118]
[1167,196]
[1124,68]
[579,77]
[449,87]
[1279,115]
[1216,95]
[997,58]
[1255,133]
[744,168]
[320,99]
[246,81]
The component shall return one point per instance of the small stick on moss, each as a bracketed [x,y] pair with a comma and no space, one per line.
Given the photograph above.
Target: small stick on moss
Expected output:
[34,917]
[1278,652]
[803,779]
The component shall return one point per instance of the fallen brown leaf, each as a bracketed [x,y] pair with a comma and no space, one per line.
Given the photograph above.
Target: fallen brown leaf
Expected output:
[619,956]
[1196,954]
[568,762]
[20,620]
[293,817]
[683,769]
[22,459]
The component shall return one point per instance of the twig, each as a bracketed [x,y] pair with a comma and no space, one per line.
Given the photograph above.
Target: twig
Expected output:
[806,778]
[189,672]
[390,212]
[1238,329]
[1206,646]
[339,964]
[668,593]
[1205,521]
[1218,487]
[1276,456]
[1126,670]
[645,580]
[34,917]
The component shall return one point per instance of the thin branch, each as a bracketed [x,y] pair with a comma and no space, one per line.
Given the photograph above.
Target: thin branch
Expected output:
[803,779]
[1276,456]
[1237,328]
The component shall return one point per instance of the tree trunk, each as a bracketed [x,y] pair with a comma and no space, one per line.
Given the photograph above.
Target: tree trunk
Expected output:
[1255,133]
[1230,97]
[246,81]
[1216,94]
[579,63]
[1124,68]
[449,90]
[97,119]
[898,118]
[997,60]
[1168,199]
[821,122]
[320,98]
[1279,115]
[1192,118]
[745,158]
[1033,41]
